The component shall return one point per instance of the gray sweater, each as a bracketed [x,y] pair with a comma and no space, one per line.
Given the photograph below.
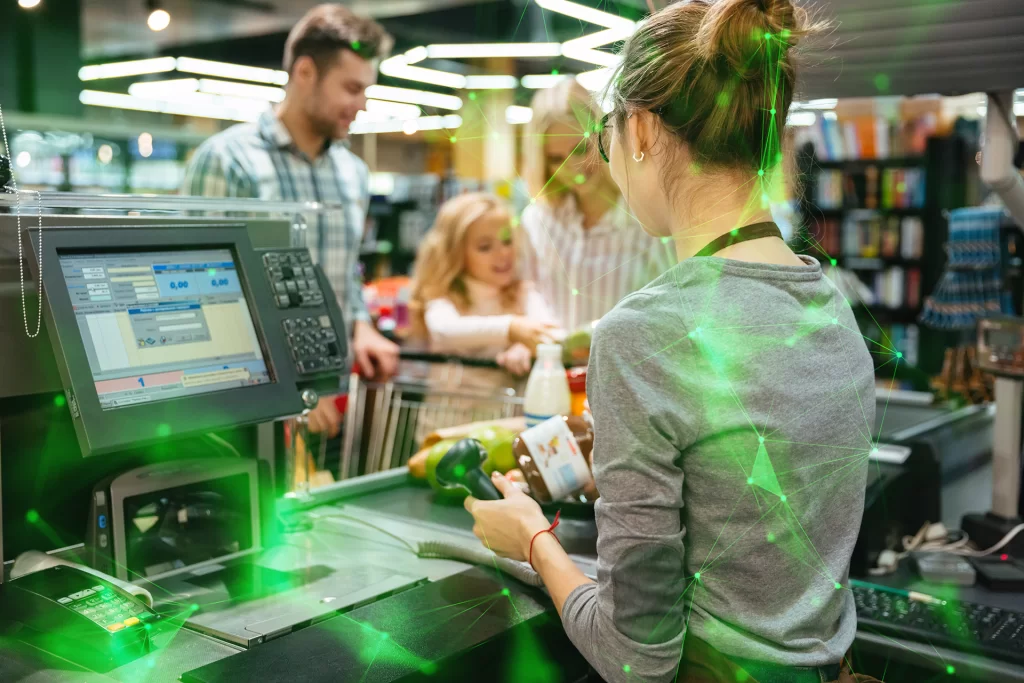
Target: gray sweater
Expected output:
[734,405]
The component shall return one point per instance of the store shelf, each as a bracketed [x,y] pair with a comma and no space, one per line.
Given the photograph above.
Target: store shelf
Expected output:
[894,162]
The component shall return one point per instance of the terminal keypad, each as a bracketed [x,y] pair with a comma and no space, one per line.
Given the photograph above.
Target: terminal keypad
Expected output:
[293,279]
[314,344]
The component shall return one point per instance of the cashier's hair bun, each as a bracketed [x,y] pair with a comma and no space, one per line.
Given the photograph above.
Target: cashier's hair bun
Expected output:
[714,71]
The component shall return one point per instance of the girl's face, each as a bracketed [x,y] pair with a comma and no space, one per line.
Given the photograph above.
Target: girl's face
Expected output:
[490,251]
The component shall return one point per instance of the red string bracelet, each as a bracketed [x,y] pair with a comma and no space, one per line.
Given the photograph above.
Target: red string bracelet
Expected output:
[549,530]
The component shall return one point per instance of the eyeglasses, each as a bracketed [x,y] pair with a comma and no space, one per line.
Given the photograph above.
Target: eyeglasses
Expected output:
[602,132]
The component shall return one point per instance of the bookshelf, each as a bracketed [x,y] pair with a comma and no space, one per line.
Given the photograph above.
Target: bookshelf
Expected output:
[882,220]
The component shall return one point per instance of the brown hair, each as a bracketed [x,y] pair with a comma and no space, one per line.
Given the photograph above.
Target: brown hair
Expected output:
[328,28]
[718,74]
[440,261]
[569,103]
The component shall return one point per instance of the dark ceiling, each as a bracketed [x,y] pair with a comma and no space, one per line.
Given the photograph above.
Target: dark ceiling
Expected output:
[876,47]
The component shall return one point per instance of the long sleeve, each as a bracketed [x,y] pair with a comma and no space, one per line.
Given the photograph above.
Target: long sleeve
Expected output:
[212,173]
[630,624]
[451,331]
[356,214]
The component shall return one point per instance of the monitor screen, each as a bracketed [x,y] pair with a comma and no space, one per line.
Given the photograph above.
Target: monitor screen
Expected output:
[159,325]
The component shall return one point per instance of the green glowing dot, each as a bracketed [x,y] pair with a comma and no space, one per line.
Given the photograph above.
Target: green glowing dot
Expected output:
[506,592]
[494,135]
[384,636]
[764,197]
[586,133]
[575,292]
[194,607]
[626,668]
[785,33]
[459,471]
[767,36]
[211,271]
[760,172]
[697,576]
[832,261]
[742,675]
[32,516]
[163,429]
[874,451]
[760,439]
[899,354]
[770,537]
[750,480]
[734,232]
[580,178]
[773,111]
[148,627]
[452,139]
[722,99]
[698,330]
[59,400]
[665,240]
[838,586]
[428,668]
[692,334]
[355,45]
[882,82]
[472,96]
[950,669]
[783,498]
[533,200]
[554,72]
[835,321]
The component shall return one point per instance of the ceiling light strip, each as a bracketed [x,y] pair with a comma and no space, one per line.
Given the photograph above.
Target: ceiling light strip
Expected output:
[206,67]
[413,96]
[489,82]
[480,50]
[136,67]
[584,13]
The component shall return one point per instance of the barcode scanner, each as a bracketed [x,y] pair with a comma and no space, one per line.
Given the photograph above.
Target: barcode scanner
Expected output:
[461,466]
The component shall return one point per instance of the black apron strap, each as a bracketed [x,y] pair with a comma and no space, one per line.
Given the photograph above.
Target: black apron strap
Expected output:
[754,231]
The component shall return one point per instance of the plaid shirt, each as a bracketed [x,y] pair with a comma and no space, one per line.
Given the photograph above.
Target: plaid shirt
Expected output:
[582,273]
[259,160]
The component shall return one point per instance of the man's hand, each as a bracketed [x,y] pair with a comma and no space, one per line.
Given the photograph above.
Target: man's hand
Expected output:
[325,418]
[376,356]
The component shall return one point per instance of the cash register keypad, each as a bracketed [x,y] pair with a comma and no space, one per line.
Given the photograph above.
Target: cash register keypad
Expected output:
[314,344]
[108,608]
[293,279]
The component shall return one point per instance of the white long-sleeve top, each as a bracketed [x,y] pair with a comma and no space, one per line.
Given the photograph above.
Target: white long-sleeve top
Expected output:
[481,332]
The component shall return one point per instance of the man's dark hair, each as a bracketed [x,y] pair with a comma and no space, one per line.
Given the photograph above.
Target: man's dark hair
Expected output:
[327,29]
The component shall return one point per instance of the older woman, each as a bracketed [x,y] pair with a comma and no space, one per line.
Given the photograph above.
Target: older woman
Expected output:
[581,245]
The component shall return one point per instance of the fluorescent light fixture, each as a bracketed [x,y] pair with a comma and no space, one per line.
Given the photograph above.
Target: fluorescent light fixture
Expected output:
[206,67]
[540,81]
[476,50]
[194,104]
[398,67]
[584,13]
[823,104]
[515,114]
[135,67]
[595,80]
[492,82]
[28,4]
[801,118]
[23,159]
[829,116]
[582,48]
[256,92]
[423,97]
[105,154]
[396,126]
[163,89]
[416,54]
[390,110]
[409,128]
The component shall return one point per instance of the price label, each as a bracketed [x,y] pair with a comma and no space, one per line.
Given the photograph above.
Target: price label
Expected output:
[180,284]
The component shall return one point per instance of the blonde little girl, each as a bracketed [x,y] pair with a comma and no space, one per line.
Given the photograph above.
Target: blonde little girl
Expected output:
[467,298]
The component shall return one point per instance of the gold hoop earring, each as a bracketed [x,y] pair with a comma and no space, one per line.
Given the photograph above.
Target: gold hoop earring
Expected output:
[640,159]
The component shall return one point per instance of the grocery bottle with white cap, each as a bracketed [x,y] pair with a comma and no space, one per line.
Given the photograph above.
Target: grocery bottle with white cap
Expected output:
[547,390]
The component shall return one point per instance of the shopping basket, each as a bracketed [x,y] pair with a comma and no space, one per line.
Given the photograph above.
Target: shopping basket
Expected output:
[386,421]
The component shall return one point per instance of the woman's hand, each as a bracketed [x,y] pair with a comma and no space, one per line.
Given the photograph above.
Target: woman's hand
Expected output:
[529,332]
[517,359]
[506,526]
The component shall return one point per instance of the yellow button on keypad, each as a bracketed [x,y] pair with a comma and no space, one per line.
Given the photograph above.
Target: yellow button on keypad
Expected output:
[131,621]
[115,627]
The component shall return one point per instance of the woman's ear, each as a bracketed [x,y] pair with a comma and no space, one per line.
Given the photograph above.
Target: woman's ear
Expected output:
[640,133]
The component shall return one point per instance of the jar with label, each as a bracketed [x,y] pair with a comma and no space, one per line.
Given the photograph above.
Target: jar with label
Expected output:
[577,389]
[547,390]
[554,457]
